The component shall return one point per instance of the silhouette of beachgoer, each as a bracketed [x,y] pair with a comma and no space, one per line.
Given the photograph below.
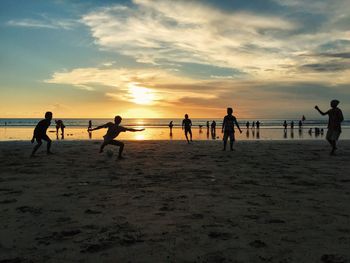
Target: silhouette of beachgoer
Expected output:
[258,124]
[228,128]
[213,127]
[303,118]
[90,125]
[310,131]
[171,125]
[334,124]
[59,125]
[208,126]
[292,125]
[113,131]
[300,124]
[285,125]
[253,125]
[187,124]
[247,124]
[40,133]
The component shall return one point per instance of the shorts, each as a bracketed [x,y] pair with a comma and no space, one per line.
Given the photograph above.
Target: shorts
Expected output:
[188,130]
[42,137]
[229,134]
[332,135]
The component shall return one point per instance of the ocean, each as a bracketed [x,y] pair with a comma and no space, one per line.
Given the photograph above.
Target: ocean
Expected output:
[157,129]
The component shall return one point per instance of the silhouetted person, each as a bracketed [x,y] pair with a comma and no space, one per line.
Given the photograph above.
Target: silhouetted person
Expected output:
[113,131]
[334,124]
[300,124]
[247,124]
[40,133]
[171,125]
[310,131]
[285,125]
[258,124]
[292,125]
[90,125]
[186,125]
[303,118]
[213,127]
[228,128]
[60,125]
[208,126]
[253,125]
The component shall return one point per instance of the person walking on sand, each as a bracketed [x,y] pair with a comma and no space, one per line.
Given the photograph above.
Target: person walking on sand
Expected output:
[186,125]
[39,133]
[113,131]
[336,117]
[285,125]
[228,128]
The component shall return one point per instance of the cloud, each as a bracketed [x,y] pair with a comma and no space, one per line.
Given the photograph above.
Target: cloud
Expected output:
[45,22]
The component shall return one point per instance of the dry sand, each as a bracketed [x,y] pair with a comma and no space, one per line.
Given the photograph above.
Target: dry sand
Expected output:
[267,201]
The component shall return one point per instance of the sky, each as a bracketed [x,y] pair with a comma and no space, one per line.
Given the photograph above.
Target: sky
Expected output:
[165,58]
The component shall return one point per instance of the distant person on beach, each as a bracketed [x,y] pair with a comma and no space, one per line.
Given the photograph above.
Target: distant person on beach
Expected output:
[60,125]
[292,125]
[285,125]
[258,124]
[186,125]
[300,124]
[303,118]
[253,125]
[208,126]
[247,125]
[228,128]
[213,127]
[90,125]
[171,125]
[40,133]
[113,131]
[334,124]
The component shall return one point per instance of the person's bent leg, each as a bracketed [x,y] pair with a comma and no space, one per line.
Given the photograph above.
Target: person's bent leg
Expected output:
[190,134]
[232,139]
[48,144]
[225,140]
[121,147]
[36,147]
[187,136]
[103,145]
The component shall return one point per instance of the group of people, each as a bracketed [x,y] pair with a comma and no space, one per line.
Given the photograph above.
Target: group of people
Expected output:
[228,129]
[257,124]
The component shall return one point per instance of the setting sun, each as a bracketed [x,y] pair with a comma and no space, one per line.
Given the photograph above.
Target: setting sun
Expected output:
[141,95]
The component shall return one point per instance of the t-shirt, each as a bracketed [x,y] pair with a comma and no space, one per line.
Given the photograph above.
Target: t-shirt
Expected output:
[41,128]
[335,118]
[229,123]
[113,131]
[187,123]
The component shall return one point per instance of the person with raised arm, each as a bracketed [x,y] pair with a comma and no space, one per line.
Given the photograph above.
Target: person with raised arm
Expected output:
[336,117]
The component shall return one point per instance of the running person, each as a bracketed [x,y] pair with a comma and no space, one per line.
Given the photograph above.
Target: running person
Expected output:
[40,133]
[113,131]
[228,128]
[187,124]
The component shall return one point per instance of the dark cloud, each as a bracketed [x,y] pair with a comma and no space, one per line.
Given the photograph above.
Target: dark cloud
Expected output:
[333,66]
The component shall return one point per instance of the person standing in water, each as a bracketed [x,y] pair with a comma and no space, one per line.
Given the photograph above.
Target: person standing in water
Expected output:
[171,125]
[40,133]
[113,131]
[285,125]
[336,117]
[228,128]
[258,125]
[186,125]
[247,125]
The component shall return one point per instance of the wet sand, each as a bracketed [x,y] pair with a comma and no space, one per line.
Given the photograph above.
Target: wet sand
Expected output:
[268,201]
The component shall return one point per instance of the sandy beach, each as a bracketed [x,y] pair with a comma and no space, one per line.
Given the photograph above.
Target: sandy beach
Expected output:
[268,201]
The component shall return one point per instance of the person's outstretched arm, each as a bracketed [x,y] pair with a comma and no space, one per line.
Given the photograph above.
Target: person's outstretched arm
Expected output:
[99,127]
[321,112]
[239,128]
[133,130]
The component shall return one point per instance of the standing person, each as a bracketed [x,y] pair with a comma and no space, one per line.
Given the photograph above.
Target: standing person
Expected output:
[60,125]
[171,125]
[335,116]
[113,131]
[40,133]
[228,128]
[247,125]
[285,125]
[90,125]
[213,128]
[253,125]
[207,126]
[258,124]
[292,125]
[300,124]
[187,124]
